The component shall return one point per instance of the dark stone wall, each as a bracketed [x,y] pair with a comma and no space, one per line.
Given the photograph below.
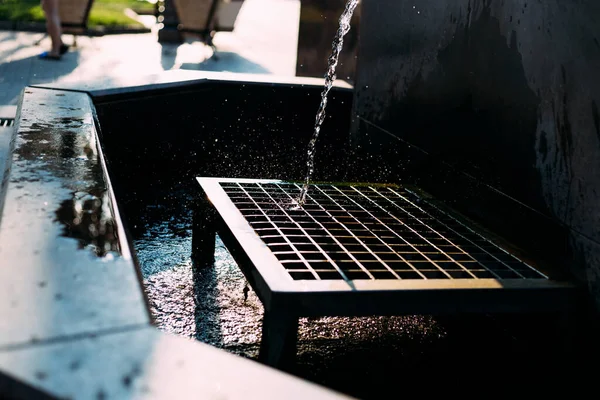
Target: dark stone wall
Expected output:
[223,129]
[493,104]
[318,25]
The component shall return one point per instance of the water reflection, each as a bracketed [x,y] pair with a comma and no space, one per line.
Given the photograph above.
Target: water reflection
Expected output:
[87,217]
[66,150]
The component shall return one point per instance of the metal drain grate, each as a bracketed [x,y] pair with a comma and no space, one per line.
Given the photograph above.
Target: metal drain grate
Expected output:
[353,232]
[6,122]
[360,250]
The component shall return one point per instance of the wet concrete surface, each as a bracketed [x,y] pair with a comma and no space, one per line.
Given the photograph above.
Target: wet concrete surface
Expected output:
[64,270]
[363,357]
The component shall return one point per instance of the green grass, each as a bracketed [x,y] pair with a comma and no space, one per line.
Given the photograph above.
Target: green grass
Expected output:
[103,13]
[20,10]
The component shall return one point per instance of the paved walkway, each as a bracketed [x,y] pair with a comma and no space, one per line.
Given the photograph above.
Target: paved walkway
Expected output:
[264,42]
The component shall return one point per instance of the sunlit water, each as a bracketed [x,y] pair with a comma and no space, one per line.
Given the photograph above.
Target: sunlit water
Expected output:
[338,43]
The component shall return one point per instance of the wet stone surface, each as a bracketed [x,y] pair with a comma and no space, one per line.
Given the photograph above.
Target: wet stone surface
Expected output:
[209,306]
[363,357]
[63,271]
[146,364]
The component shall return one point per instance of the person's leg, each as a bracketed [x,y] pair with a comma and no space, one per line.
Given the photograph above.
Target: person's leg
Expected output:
[50,8]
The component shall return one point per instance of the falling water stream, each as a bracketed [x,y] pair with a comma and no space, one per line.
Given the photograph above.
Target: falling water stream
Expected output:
[338,43]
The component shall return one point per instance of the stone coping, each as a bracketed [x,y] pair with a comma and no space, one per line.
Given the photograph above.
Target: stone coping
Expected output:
[180,78]
[8,111]
[74,322]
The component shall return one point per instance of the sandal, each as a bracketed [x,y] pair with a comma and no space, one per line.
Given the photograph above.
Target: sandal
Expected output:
[64,48]
[47,56]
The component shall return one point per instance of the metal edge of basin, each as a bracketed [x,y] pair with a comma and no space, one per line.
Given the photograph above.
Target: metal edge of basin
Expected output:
[181,79]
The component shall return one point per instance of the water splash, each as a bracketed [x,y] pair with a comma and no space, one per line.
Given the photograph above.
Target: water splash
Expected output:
[338,43]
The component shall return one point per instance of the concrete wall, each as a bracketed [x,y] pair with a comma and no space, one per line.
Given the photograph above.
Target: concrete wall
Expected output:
[504,91]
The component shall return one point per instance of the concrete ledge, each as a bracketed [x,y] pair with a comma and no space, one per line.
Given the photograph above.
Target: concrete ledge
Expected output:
[146,363]
[66,264]
[183,78]
[8,111]
[73,317]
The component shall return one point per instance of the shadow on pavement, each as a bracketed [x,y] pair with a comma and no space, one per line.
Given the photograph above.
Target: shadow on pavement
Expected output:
[15,75]
[227,62]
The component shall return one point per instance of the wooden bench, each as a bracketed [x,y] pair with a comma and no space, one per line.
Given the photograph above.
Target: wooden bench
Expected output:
[204,18]
[74,15]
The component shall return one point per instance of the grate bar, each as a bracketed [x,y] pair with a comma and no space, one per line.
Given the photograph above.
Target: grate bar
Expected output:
[419,235]
[362,242]
[337,241]
[350,232]
[279,230]
[473,243]
[470,241]
[384,225]
[7,122]
[311,240]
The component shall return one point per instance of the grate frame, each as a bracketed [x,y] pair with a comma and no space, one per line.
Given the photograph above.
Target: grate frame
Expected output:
[267,273]
[6,122]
